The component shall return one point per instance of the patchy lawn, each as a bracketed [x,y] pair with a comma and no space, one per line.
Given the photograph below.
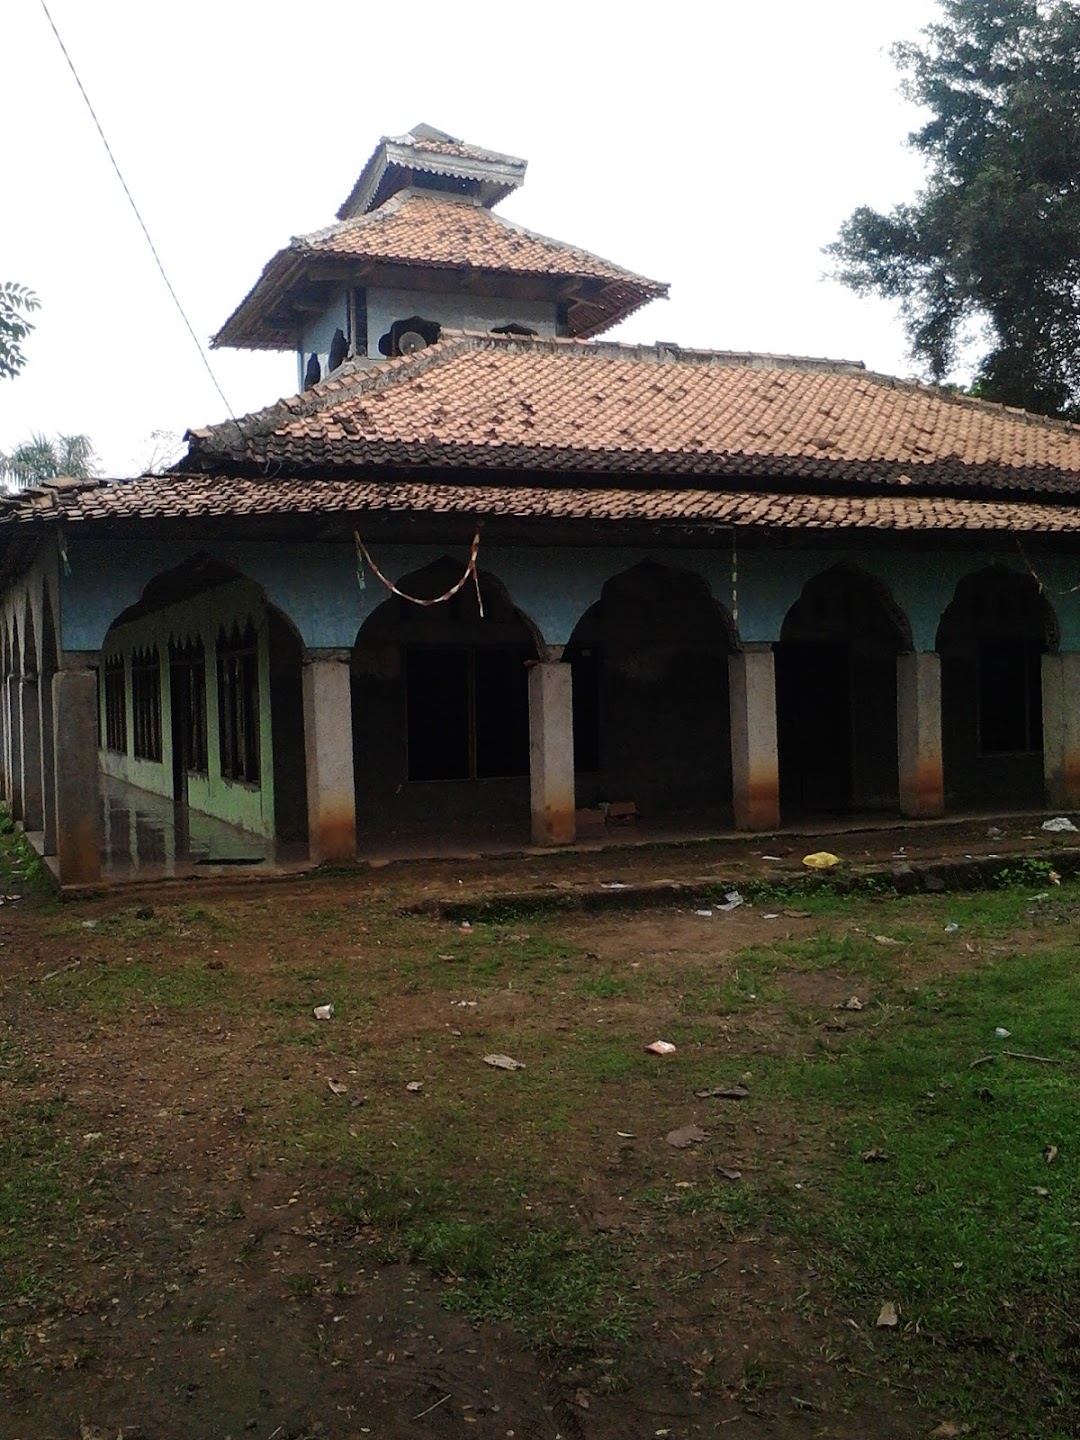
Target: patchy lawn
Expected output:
[221,1215]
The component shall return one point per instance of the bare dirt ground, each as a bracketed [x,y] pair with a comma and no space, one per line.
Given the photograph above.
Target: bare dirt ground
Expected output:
[214,1287]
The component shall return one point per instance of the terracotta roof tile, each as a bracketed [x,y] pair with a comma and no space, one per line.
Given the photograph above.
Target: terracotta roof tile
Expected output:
[491,403]
[212,496]
[438,233]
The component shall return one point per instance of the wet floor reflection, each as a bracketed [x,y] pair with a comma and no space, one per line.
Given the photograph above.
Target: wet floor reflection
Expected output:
[148,835]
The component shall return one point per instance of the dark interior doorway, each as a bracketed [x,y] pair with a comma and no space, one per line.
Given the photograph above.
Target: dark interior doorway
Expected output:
[651,717]
[991,641]
[836,697]
[441,710]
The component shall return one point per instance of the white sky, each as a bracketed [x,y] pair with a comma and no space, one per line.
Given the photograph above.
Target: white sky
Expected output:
[717,146]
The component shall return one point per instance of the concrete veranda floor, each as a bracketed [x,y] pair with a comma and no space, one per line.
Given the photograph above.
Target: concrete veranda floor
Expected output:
[148,838]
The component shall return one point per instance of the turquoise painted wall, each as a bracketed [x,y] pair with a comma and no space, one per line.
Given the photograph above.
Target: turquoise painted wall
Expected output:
[315,585]
[201,618]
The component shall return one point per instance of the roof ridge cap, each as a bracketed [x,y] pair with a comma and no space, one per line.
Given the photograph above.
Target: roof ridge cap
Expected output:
[520,229]
[951,395]
[351,377]
[353,222]
[661,351]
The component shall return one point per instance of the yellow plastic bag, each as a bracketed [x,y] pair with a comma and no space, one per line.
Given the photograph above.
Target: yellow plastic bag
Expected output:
[821,860]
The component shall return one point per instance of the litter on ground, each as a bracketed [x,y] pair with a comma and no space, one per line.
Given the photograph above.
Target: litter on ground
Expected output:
[1059,825]
[503,1062]
[821,860]
[661,1047]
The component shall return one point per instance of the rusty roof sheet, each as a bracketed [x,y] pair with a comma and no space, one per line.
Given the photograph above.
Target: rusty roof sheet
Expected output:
[201,497]
[437,233]
[489,403]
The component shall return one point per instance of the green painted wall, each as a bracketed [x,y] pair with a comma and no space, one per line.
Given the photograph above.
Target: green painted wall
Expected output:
[202,617]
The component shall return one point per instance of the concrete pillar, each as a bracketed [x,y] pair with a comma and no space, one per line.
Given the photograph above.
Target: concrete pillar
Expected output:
[551,753]
[14,712]
[30,726]
[918,735]
[5,753]
[755,770]
[48,763]
[328,745]
[75,766]
[1061,730]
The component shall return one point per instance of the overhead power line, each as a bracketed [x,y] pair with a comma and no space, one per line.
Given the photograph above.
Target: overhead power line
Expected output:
[138,216]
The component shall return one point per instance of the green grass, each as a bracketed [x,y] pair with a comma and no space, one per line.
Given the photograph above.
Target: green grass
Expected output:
[564,1292]
[485,1178]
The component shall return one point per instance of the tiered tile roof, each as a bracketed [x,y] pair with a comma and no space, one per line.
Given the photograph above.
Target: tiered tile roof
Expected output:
[431,232]
[492,403]
[514,429]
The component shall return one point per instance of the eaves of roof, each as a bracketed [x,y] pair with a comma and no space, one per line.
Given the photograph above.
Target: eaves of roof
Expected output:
[196,497]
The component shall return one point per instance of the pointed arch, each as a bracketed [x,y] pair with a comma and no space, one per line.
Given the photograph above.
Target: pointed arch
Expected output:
[651,711]
[440,705]
[836,695]
[991,639]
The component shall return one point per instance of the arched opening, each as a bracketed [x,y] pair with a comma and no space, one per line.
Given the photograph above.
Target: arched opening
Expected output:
[201,701]
[651,716]
[441,708]
[991,640]
[836,696]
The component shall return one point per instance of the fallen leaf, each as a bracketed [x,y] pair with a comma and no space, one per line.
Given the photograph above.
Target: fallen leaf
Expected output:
[729,1174]
[885,940]
[888,1317]
[1041,1191]
[414,1087]
[853,1004]
[947,1430]
[723,1092]
[336,1087]
[874,1157]
[1050,1153]
[503,1062]
[686,1135]
[796,914]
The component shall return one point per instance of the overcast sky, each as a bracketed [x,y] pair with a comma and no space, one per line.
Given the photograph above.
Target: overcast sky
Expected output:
[717,146]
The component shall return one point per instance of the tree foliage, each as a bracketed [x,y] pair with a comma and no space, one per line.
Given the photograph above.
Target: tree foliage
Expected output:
[993,240]
[16,302]
[41,458]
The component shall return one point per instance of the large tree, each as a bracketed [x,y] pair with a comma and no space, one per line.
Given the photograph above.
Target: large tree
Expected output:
[992,243]
[16,303]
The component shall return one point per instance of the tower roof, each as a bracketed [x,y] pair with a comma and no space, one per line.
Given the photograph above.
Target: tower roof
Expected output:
[432,233]
[489,175]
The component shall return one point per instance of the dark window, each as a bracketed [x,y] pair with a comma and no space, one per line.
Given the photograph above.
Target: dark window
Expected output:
[1010,696]
[189,692]
[115,706]
[146,703]
[467,713]
[238,704]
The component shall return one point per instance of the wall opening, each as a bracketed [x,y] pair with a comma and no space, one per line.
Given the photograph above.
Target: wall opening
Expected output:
[441,707]
[651,718]
[836,696]
[991,641]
